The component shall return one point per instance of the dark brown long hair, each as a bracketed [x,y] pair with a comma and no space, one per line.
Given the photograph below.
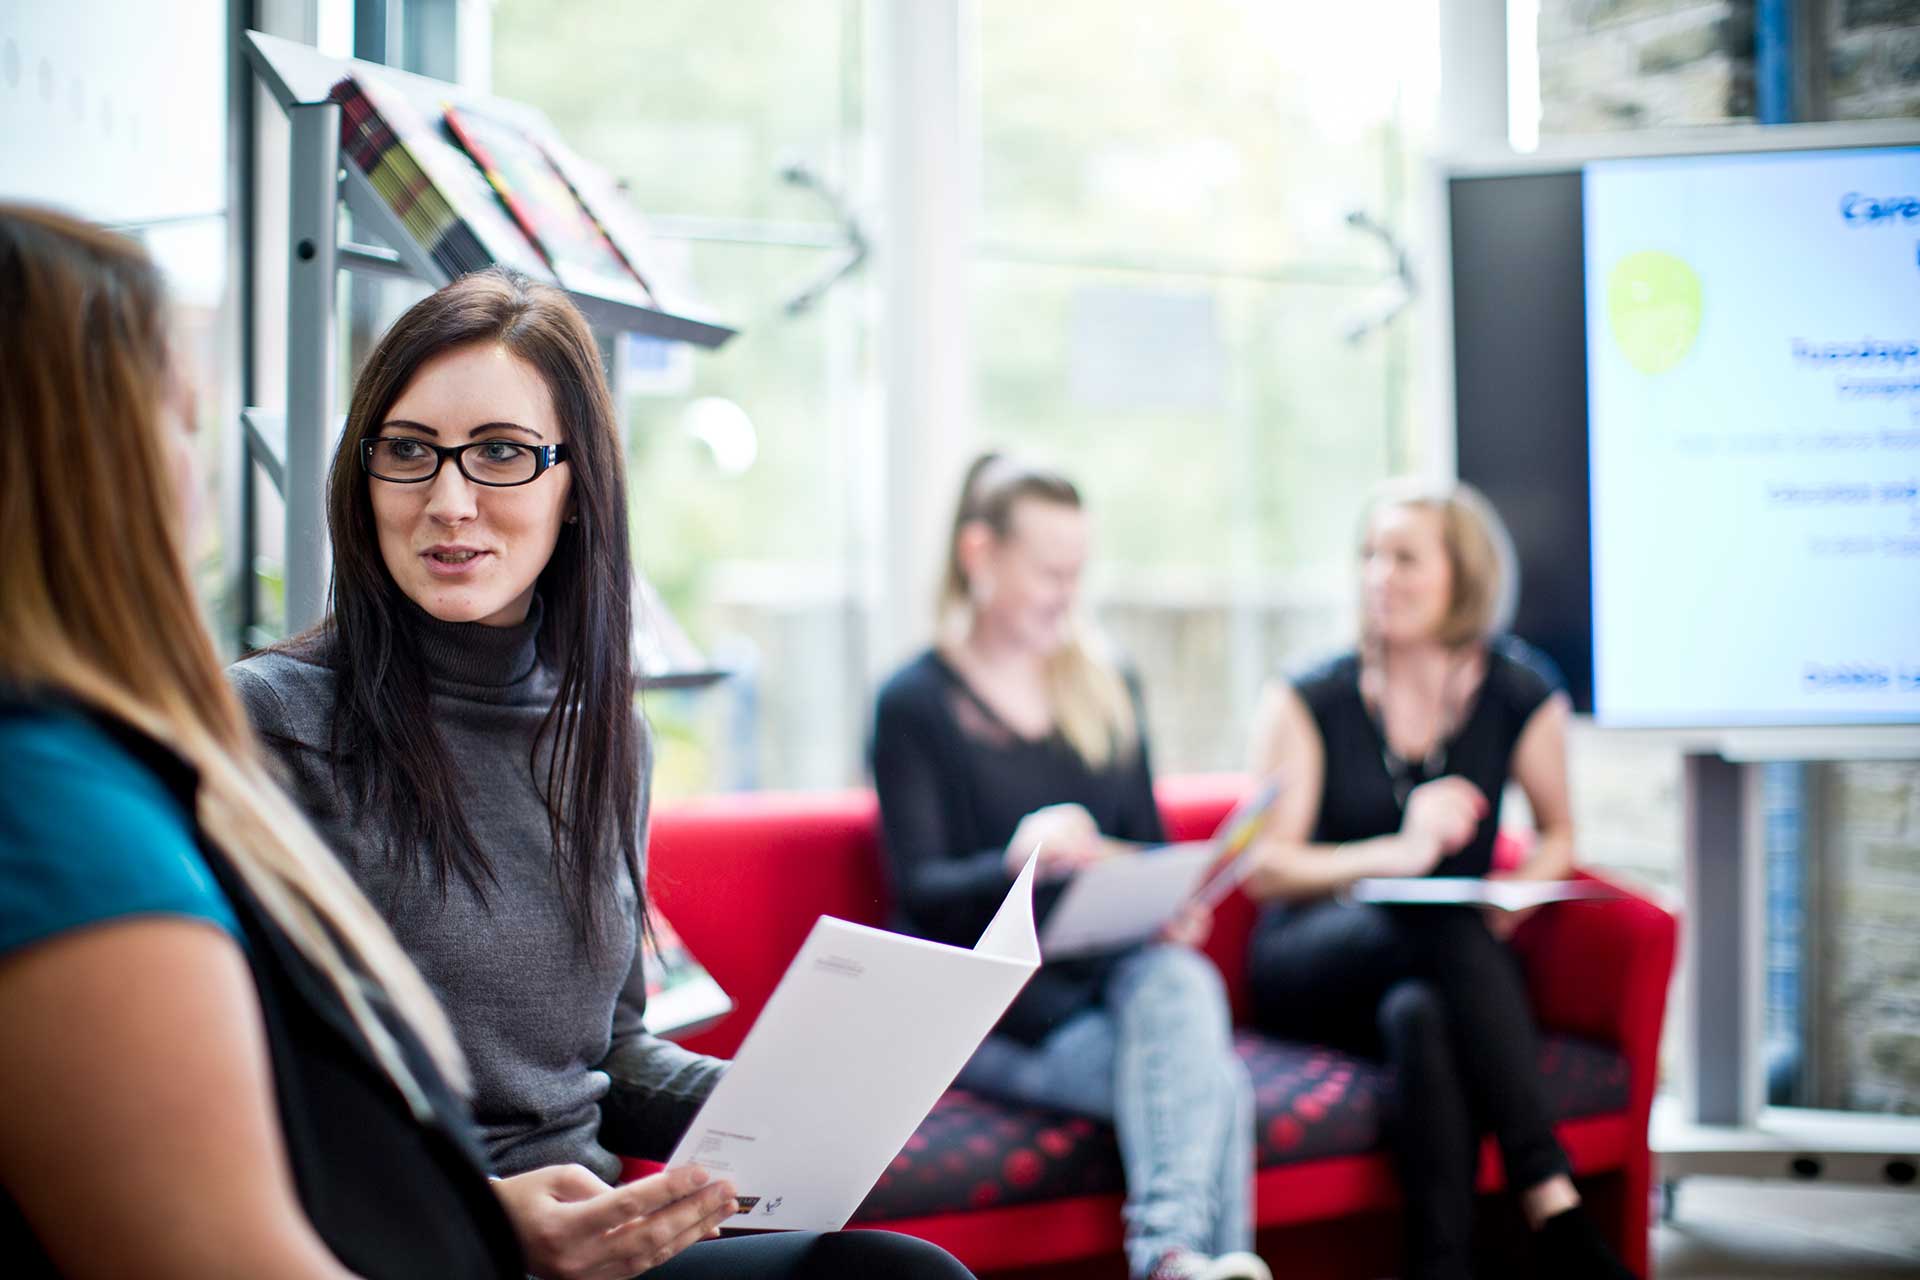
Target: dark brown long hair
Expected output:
[97,608]
[385,747]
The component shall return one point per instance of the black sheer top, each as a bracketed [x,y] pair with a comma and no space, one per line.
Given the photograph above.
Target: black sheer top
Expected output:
[954,781]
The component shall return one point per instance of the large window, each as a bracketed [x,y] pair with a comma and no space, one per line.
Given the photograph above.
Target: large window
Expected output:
[1165,293]
[727,122]
[1171,302]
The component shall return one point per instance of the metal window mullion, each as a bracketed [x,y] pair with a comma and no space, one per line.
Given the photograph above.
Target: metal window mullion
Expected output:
[312,291]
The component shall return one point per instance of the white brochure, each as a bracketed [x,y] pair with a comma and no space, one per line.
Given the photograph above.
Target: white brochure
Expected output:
[1507,895]
[1124,900]
[864,1033]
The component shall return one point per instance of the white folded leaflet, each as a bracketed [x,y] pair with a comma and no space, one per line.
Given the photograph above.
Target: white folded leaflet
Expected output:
[1507,895]
[1124,900]
[864,1033]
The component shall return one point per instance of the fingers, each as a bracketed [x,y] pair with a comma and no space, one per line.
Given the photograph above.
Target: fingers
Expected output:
[1461,821]
[1190,928]
[1061,857]
[641,1246]
[1064,837]
[1449,808]
[1052,859]
[641,1198]
[1462,792]
[1068,823]
[1086,850]
[1454,789]
[707,1226]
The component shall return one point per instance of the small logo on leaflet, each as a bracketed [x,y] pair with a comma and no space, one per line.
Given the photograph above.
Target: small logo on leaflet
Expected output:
[773,1204]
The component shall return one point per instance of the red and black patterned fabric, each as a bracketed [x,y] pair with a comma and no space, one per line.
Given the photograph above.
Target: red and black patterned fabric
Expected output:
[1311,1102]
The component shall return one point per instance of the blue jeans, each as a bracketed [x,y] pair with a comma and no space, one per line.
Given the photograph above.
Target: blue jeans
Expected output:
[1156,1061]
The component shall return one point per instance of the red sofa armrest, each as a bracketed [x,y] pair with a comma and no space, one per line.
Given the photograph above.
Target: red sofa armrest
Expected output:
[1601,969]
[1193,806]
[743,877]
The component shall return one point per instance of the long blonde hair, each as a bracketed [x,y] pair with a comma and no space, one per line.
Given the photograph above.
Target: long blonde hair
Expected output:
[1085,694]
[96,604]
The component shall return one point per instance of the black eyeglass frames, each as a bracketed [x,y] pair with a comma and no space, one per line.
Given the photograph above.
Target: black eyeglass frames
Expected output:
[499,464]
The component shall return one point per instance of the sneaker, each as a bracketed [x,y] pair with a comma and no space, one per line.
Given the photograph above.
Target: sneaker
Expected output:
[1185,1264]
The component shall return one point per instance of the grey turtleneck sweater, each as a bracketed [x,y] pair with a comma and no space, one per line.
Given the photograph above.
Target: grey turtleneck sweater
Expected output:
[563,1071]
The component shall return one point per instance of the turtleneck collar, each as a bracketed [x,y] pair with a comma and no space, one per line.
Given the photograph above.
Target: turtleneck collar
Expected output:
[473,655]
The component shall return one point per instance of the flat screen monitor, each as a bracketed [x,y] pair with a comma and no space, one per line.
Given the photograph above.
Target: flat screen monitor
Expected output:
[1691,383]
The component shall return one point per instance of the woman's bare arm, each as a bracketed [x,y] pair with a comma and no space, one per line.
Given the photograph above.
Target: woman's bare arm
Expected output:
[1540,767]
[139,1135]
[1287,744]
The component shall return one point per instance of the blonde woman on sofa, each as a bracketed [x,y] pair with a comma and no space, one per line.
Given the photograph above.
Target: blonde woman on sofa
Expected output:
[1015,732]
[1395,758]
[462,727]
[214,1060]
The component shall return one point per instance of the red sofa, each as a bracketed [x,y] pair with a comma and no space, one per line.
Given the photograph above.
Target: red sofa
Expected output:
[743,877]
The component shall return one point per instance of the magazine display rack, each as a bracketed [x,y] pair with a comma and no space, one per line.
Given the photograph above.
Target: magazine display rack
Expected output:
[448,180]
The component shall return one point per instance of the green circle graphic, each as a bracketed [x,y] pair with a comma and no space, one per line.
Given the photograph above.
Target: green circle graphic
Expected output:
[1653,304]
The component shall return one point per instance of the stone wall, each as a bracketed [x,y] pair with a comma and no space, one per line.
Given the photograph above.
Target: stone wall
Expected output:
[1873,58]
[1866,971]
[1607,65]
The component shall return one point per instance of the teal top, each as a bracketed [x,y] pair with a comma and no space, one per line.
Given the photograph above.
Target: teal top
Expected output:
[89,835]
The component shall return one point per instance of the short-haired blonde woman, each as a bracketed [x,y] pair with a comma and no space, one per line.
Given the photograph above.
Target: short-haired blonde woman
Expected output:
[1395,757]
[1012,732]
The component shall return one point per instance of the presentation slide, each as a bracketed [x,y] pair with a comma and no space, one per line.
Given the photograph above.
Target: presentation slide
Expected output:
[1753,348]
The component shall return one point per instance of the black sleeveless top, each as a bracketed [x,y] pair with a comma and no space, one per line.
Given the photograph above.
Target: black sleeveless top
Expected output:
[394,1198]
[1363,793]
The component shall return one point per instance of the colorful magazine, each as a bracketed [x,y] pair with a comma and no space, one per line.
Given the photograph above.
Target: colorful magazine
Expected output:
[1233,841]
[605,202]
[542,203]
[682,996]
[429,184]
[624,228]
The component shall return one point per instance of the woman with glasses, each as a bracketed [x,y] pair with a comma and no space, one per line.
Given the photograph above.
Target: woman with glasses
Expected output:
[1395,758]
[462,727]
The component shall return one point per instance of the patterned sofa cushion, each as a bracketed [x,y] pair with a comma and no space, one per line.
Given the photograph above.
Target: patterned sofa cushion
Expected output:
[1312,1102]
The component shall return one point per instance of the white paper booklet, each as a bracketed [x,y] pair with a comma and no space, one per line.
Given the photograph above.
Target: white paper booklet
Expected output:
[1123,900]
[864,1033]
[1507,895]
